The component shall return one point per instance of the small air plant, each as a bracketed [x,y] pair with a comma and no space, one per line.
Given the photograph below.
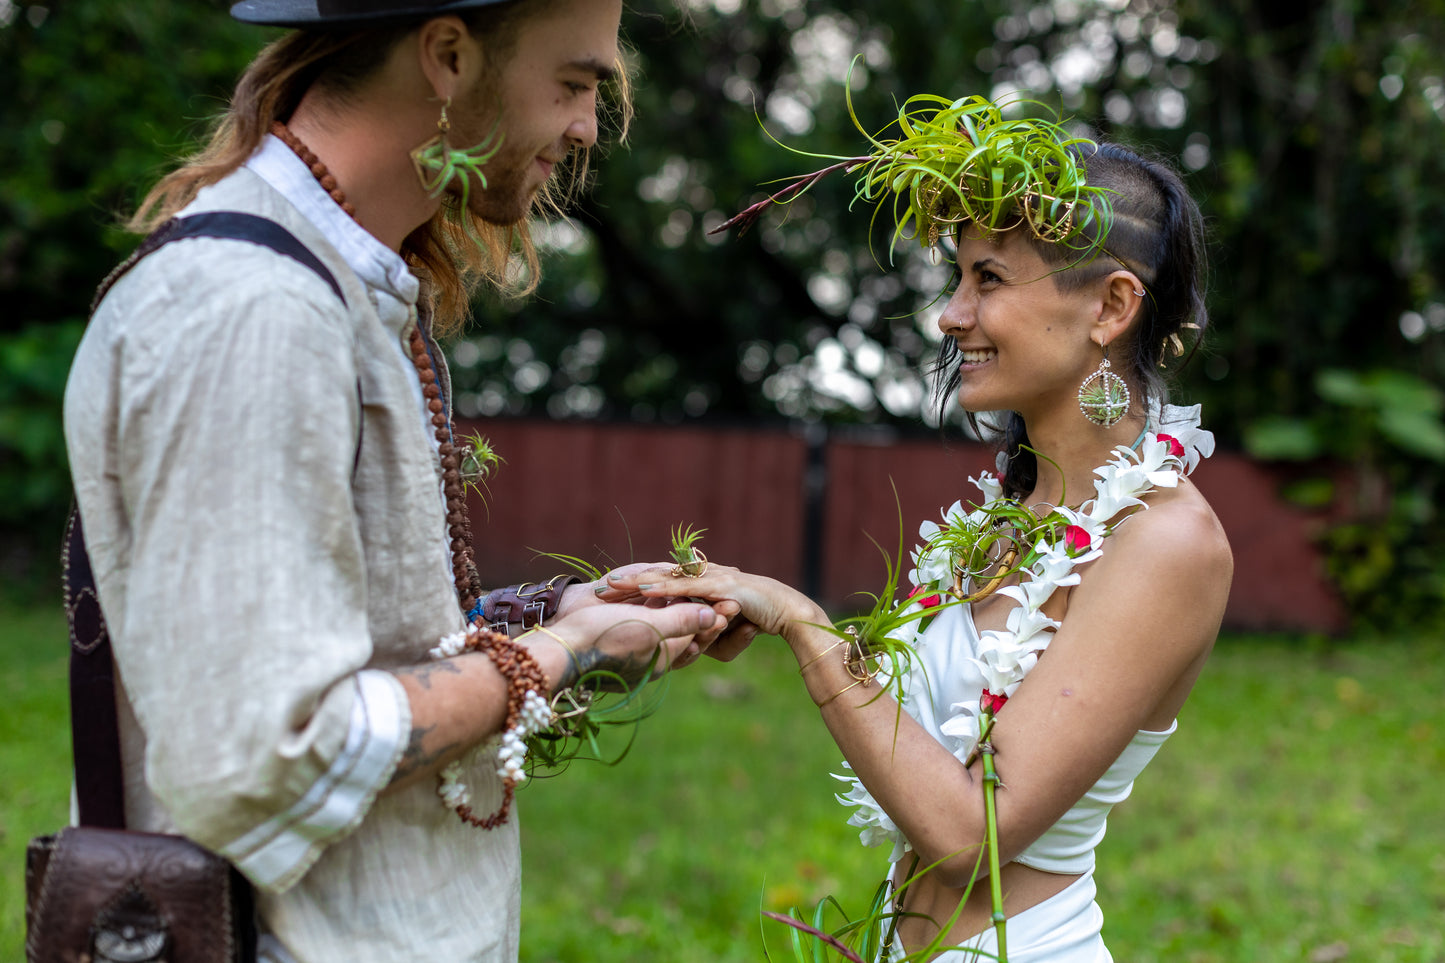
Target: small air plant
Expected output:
[476,461]
[691,562]
[946,163]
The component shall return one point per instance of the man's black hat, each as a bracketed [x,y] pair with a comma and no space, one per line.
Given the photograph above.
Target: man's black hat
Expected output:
[323,14]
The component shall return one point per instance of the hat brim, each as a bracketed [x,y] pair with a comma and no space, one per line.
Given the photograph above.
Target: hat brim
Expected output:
[306,15]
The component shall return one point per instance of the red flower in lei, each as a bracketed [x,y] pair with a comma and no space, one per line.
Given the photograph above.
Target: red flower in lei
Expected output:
[1076,540]
[990,702]
[928,601]
[1175,449]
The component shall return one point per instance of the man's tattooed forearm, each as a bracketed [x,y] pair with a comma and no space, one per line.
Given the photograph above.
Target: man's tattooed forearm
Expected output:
[423,673]
[418,755]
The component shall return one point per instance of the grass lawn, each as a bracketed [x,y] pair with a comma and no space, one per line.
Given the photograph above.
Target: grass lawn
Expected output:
[1296,815]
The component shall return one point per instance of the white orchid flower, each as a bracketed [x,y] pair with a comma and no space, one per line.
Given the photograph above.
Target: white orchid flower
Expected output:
[1182,424]
[877,827]
[989,484]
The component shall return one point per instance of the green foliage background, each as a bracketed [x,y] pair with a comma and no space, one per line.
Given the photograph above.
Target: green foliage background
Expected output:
[1313,135]
[1294,816]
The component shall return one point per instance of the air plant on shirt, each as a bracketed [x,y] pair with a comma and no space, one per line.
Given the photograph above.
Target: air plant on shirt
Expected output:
[819,940]
[477,461]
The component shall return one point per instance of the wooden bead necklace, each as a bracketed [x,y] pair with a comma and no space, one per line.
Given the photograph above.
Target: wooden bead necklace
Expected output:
[515,664]
[459,527]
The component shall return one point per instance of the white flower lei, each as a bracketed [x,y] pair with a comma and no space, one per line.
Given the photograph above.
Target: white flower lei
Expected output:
[1172,447]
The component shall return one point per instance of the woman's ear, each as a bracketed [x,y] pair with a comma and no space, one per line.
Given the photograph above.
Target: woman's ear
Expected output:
[1120,306]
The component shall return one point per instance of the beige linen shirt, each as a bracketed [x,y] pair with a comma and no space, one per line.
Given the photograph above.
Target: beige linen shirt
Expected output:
[261,502]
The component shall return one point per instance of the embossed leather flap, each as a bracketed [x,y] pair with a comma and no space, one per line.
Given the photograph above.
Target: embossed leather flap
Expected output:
[127,897]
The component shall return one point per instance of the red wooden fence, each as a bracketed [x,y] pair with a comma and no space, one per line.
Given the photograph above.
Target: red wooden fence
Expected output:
[803,511]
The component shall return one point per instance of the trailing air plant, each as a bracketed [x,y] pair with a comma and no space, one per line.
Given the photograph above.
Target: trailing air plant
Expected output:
[944,163]
[599,700]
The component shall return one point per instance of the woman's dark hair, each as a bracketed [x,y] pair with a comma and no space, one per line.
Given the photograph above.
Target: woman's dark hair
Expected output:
[1158,233]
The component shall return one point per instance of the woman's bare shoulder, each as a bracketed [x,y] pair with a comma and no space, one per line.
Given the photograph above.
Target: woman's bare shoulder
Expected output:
[1179,530]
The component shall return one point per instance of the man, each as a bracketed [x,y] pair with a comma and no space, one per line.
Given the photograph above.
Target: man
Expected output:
[256,468]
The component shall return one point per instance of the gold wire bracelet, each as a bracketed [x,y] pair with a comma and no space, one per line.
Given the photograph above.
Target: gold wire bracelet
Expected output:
[571,652]
[821,654]
[843,690]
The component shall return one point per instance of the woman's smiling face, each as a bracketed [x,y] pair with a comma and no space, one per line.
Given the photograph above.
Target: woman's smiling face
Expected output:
[1024,341]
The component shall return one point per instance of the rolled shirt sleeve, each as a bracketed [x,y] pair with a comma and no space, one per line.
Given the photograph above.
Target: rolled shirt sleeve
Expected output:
[242,642]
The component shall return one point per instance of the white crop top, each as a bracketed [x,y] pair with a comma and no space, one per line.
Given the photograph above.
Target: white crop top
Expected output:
[950,683]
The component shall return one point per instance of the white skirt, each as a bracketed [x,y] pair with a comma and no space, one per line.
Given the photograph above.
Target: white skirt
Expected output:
[1065,928]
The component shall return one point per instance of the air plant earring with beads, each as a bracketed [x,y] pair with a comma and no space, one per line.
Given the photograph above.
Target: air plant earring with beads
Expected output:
[437,163]
[1104,396]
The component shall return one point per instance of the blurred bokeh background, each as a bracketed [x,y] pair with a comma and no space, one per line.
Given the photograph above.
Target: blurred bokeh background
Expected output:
[1313,135]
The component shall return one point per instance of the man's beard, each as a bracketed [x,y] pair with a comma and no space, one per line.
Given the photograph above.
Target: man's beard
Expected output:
[507,199]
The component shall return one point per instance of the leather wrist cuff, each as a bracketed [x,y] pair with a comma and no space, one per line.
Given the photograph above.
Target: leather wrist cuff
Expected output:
[526,604]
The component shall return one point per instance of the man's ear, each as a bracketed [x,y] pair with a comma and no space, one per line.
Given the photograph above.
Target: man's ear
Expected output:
[1119,307]
[450,57]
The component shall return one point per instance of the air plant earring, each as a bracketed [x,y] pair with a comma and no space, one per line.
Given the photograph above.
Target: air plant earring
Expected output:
[437,163]
[1104,396]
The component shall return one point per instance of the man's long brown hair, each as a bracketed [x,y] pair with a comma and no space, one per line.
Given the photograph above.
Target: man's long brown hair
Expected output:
[455,252]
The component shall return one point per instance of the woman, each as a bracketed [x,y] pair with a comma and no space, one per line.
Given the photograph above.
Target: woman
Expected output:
[1126,601]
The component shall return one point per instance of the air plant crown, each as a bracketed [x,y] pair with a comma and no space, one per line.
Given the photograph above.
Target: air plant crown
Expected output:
[944,163]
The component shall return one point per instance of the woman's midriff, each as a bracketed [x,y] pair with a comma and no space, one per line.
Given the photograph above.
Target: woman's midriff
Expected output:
[1023,887]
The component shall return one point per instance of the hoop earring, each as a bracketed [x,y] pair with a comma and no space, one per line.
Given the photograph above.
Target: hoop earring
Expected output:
[1104,396]
[438,164]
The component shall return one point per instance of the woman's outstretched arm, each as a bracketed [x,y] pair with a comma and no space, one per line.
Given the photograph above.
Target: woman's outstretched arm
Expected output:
[1136,632]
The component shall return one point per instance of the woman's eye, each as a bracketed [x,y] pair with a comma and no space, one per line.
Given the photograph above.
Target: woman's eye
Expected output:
[577,88]
[988,277]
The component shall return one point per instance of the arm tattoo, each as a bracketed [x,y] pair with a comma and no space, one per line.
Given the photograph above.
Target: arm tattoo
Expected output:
[422,673]
[632,668]
[416,756]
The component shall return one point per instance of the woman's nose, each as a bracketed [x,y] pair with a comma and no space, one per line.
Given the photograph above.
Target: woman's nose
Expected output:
[958,314]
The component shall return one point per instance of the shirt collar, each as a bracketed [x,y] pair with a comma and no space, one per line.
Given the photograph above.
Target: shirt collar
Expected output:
[378,266]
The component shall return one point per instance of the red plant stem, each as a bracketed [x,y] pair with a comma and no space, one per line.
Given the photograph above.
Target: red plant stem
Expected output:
[815,932]
[749,214]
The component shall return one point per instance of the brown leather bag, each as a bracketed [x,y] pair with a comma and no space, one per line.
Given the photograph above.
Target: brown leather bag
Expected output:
[97,893]
[113,896]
